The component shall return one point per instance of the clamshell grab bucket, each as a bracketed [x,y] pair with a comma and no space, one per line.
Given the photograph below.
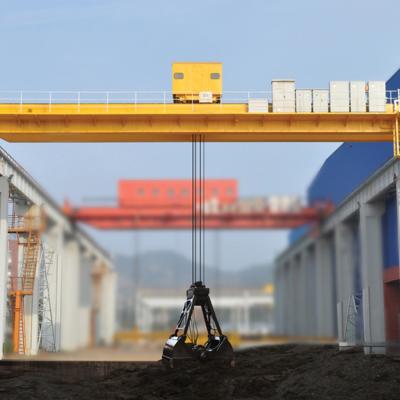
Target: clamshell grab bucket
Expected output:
[179,348]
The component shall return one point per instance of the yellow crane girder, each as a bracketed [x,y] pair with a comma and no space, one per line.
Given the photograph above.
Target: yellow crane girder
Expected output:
[179,122]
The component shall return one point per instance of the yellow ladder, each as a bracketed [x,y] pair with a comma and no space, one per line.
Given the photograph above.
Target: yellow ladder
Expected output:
[31,255]
[21,330]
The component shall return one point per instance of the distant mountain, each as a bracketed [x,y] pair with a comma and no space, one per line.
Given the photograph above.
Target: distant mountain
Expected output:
[169,270]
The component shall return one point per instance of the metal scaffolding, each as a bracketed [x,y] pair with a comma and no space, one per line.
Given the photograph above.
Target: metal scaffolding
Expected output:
[46,331]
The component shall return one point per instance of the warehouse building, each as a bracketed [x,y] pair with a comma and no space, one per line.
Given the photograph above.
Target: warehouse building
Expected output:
[341,280]
[57,285]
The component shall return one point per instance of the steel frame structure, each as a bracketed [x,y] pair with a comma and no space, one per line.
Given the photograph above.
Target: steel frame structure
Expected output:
[165,122]
[167,218]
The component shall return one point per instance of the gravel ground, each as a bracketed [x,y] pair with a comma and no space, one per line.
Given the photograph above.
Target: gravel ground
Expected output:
[276,372]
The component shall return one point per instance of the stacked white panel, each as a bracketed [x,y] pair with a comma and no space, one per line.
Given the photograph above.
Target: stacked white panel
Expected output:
[320,100]
[258,106]
[377,96]
[358,99]
[303,100]
[283,95]
[340,99]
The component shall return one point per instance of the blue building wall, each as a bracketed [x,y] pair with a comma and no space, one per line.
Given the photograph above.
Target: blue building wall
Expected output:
[346,169]
[393,82]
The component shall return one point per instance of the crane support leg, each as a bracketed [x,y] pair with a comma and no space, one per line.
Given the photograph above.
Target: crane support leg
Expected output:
[396,138]
[3,258]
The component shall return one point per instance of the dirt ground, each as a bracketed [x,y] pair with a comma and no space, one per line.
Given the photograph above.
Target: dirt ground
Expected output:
[275,372]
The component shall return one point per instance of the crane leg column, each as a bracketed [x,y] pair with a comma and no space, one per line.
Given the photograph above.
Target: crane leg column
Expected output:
[3,258]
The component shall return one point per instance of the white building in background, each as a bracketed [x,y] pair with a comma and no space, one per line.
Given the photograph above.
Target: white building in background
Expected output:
[243,311]
[73,301]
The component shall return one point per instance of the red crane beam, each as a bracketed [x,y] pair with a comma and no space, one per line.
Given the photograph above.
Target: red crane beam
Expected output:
[181,218]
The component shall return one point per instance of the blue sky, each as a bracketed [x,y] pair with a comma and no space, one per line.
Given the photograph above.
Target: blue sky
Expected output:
[129,45]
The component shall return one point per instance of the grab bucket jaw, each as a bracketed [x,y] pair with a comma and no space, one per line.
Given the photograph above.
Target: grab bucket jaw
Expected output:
[177,349]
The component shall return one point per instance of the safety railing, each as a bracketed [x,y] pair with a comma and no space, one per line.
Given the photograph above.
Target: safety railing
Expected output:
[25,222]
[138,100]
[16,283]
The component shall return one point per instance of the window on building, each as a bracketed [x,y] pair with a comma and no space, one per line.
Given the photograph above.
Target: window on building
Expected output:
[179,75]
[140,192]
[171,193]
[215,75]
[156,192]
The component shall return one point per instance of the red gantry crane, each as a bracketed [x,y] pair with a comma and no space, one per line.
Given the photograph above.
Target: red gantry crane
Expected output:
[167,204]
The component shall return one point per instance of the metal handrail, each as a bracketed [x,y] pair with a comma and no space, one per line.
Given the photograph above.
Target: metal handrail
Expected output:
[31,222]
[134,98]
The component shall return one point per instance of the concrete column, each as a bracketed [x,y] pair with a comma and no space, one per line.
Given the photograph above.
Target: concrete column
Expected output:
[278,300]
[31,314]
[296,295]
[344,274]
[3,258]
[281,299]
[310,290]
[70,324]
[296,302]
[325,294]
[291,299]
[286,299]
[107,307]
[372,274]
[85,295]
[302,293]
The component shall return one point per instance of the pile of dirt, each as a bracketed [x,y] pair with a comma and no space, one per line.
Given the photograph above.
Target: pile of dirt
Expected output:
[278,372]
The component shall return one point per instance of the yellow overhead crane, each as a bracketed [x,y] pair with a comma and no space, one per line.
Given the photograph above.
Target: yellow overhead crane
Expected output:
[195,106]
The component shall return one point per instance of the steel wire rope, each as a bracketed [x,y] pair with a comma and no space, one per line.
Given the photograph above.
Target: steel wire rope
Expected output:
[204,204]
[200,208]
